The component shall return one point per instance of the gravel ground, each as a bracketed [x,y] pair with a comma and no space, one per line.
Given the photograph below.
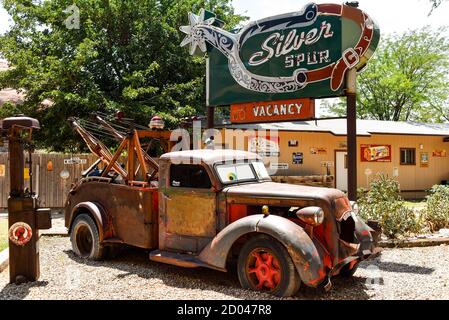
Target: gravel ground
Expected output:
[416,273]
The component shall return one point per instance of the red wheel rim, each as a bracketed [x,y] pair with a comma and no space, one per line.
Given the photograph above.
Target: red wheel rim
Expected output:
[263,269]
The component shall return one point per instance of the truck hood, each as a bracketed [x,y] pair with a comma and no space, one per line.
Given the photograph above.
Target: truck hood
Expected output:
[282,190]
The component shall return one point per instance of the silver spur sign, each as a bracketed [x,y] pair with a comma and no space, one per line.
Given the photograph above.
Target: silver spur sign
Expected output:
[303,54]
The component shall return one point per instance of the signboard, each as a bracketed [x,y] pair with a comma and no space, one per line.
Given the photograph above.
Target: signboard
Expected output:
[278,166]
[298,158]
[439,153]
[2,170]
[320,150]
[292,143]
[75,161]
[20,233]
[424,159]
[264,146]
[303,54]
[26,173]
[375,153]
[286,110]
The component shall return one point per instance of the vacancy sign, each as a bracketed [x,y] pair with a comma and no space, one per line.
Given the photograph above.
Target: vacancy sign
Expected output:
[273,111]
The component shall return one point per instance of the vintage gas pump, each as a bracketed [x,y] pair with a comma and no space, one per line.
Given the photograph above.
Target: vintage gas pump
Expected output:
[25,218]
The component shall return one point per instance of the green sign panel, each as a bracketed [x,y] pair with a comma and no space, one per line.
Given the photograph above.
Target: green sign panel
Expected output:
[297,55]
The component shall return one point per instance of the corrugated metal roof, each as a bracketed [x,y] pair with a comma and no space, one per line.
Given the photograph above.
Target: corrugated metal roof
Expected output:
[364,127]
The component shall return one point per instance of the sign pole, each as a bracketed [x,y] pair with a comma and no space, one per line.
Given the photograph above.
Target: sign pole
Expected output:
[351,112]
[210,117]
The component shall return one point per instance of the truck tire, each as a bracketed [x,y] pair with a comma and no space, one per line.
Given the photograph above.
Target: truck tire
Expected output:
[85,239]
[264,264]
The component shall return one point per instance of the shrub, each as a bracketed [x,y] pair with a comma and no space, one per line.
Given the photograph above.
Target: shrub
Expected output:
[383,203]
[437,212]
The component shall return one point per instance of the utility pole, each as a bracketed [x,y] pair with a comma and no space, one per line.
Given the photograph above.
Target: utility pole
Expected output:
[351,114]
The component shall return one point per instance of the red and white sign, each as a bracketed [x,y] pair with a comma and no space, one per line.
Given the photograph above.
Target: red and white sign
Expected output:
[20,233]
[375,152]
[285,110]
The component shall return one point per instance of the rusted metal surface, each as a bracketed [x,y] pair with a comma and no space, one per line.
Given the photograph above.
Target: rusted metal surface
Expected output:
[194,227]
[128,213]
[283,193]
[305,255]
[24,216]
[191,213]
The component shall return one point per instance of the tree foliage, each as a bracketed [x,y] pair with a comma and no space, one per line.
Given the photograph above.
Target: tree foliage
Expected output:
[406,80]
[125,56]
[435,4]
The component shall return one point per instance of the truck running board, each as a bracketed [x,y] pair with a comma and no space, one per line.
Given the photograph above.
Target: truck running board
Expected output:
[179,259]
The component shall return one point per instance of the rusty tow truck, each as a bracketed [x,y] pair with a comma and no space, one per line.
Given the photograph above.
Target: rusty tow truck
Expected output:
[208,208]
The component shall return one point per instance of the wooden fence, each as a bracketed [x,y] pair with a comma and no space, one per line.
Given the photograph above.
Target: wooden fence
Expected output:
[48,184]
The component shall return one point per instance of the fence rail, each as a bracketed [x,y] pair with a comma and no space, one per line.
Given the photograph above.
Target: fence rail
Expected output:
[48,184]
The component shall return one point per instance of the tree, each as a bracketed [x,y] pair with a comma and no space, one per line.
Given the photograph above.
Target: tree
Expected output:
[435,4]
[125,56]
[406,80]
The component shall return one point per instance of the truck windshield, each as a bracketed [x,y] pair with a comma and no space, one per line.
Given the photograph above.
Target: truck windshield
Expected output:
[239,172]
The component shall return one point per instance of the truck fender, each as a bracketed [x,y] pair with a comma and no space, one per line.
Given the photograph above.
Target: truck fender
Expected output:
[96,211]
[306,255]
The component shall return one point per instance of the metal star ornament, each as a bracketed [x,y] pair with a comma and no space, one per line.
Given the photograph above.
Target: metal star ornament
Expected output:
[195,36]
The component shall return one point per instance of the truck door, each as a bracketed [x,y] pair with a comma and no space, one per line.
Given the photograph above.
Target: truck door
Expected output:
[190,210]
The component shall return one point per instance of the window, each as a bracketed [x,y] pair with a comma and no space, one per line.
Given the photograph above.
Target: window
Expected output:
[240,172]
[408,156]
[189,176]
[261,171]
[231,173]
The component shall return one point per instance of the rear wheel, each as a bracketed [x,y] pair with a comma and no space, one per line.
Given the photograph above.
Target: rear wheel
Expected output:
[85,238]
[265,265]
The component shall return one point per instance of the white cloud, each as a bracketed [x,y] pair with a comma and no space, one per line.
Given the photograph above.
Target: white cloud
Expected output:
[391,15]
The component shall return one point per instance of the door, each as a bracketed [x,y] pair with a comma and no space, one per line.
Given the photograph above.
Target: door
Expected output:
[190,208]
[341,170]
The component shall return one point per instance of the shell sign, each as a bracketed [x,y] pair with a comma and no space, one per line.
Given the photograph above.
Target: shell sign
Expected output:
[303,54]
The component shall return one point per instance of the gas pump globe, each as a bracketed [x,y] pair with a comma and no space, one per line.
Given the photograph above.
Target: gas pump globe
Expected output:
[24,216]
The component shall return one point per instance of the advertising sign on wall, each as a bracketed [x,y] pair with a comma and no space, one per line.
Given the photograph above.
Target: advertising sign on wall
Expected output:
[375,153]
[424,159]
[303,54]
[264,146]
[286,110]
[298,158]
[319,150]
[439,153]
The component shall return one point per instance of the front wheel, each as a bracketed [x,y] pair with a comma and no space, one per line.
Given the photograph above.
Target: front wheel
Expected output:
[85,238]
[265,265]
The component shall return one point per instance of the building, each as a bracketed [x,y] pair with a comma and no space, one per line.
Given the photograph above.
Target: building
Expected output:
[315,152]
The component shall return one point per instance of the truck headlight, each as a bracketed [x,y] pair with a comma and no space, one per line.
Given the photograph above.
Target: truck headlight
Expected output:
[313,216]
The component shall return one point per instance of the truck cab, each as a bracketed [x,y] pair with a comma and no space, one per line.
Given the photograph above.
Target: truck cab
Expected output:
[214,207]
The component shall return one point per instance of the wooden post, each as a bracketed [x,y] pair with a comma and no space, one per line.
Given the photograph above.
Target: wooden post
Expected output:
[210,117]
[16,163]
[24,217]
[351,109]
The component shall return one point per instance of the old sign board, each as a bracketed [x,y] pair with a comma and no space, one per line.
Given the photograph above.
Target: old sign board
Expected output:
[303,54]
[286,110]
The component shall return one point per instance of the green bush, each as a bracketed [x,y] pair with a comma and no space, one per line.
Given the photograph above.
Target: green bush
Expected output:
[383,203]
[437,212]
